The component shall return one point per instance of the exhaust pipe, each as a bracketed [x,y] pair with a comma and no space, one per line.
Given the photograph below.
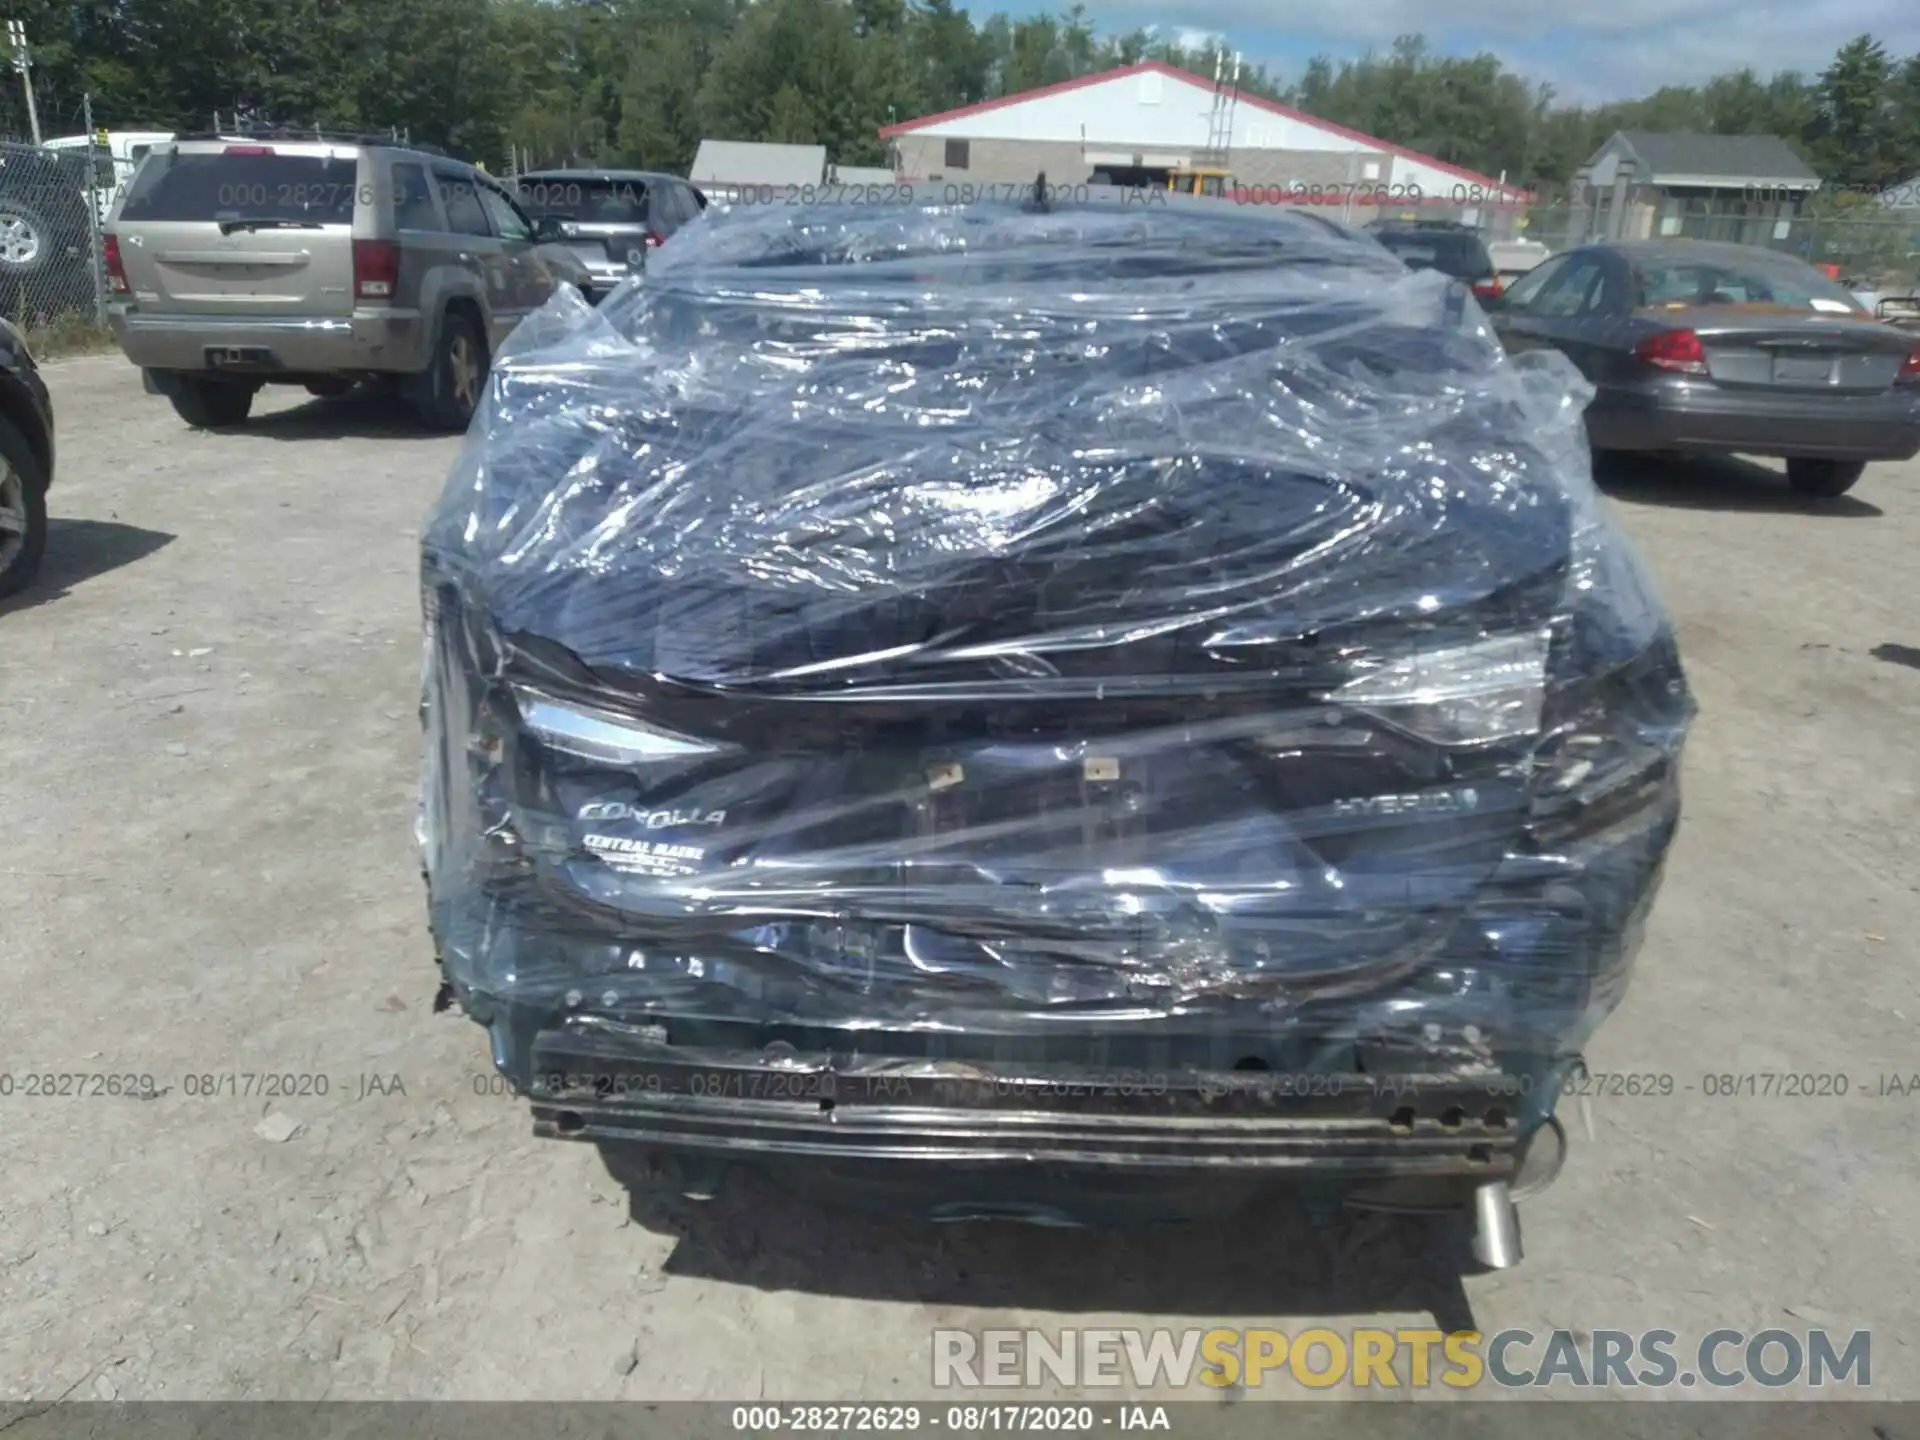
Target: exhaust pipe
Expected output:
[1496,1217]
[1496,1226]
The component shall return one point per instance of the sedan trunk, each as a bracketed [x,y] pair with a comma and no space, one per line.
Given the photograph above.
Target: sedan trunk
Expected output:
[1774,347]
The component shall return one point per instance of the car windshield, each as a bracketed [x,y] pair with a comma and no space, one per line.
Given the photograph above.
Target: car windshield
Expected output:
[1462,256]
[593,201]
[1677,284]
[300,189]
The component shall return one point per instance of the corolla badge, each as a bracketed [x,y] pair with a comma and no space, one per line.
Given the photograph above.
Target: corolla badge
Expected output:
[650,819]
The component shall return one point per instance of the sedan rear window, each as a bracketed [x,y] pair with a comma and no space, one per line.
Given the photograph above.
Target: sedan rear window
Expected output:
[1464,257]
[1762,282]
[227,186]
[588,201]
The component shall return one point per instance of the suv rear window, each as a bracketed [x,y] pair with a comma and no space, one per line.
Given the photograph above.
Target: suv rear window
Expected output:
[590,201]
[1464,257]
[226,186]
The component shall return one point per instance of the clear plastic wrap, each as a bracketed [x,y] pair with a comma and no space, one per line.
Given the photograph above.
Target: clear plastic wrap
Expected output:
[1163,631]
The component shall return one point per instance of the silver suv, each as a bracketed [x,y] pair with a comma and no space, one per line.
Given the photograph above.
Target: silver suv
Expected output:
[610,218]
[236,261]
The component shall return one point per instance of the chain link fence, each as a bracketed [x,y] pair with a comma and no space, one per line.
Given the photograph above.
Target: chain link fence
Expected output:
[52,203]
[1876,252]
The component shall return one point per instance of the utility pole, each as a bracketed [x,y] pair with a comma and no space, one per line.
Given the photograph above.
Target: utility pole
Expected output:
[23,62]
[97,208]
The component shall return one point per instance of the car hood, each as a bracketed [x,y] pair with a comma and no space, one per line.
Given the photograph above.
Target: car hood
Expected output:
[1058,447]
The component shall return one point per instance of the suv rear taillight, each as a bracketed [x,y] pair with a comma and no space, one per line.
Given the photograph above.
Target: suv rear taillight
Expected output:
[1676,350]
[1910,368]
[116,271]
[655,240]
[1487,289]
[376,269]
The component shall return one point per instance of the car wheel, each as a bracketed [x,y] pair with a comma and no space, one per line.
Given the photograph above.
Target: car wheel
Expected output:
[23,511]
[210,404]
[1823,479]
[23,239]
[457,377]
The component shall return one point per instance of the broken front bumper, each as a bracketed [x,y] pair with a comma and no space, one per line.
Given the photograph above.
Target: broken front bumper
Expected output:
[617,1084]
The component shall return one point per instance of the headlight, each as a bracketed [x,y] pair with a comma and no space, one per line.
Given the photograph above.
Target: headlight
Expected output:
[602,735]
[1464,695]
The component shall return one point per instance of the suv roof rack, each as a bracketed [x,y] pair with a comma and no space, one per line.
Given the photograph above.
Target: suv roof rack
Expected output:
[312,134]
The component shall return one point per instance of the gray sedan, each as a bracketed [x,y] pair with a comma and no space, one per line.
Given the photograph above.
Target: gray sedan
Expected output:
[1696,347]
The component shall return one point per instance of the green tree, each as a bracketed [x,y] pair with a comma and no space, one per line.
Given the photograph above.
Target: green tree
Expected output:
[1903,121]
[949,58]
[1079,47]
[659,125]
[1038,58]
[790,119]
[1128,49]
[655,112]
[1851,136]
[644,81]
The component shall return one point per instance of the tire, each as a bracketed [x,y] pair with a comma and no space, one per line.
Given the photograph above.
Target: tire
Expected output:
[1823,479]
[450,391]
[211,404]
[26,240]
[23,511]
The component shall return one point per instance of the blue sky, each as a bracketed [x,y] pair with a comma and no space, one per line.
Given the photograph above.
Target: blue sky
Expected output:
[1589,50]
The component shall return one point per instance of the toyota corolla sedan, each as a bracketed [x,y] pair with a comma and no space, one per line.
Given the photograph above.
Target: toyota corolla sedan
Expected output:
[1065,711]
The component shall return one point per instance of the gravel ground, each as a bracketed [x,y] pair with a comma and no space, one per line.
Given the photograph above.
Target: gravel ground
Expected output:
[209,746]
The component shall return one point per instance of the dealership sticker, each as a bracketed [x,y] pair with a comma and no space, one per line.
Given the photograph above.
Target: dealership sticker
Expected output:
[646,857]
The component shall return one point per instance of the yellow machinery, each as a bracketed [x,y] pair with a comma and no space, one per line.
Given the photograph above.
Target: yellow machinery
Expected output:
[1201,181]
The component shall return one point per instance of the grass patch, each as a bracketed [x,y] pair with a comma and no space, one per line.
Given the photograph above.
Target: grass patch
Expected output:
[74,333]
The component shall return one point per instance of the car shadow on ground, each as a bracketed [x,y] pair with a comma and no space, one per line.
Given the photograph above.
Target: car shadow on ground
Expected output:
[368,413]
[77,551]
[1716,482]
[1893,654]
[1267,1258]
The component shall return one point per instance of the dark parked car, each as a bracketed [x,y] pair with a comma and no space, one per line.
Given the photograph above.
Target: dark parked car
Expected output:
[1701,347]
[1056,714]
[26,462]
[1451,249]
[46,239]
[610,218]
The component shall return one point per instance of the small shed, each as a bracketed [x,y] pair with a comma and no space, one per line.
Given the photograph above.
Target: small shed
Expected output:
[722,167]
[1741,188]
[862,175]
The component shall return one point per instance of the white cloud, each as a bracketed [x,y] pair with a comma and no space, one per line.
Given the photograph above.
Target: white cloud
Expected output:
[1190,38]
[1769,40]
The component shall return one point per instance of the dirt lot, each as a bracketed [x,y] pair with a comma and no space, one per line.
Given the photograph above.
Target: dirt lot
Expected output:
[209,747]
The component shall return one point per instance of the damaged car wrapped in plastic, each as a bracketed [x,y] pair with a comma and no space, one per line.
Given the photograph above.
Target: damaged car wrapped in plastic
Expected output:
[1057,709]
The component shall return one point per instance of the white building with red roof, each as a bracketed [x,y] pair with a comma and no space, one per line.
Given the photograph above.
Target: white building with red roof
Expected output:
[1135,124]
